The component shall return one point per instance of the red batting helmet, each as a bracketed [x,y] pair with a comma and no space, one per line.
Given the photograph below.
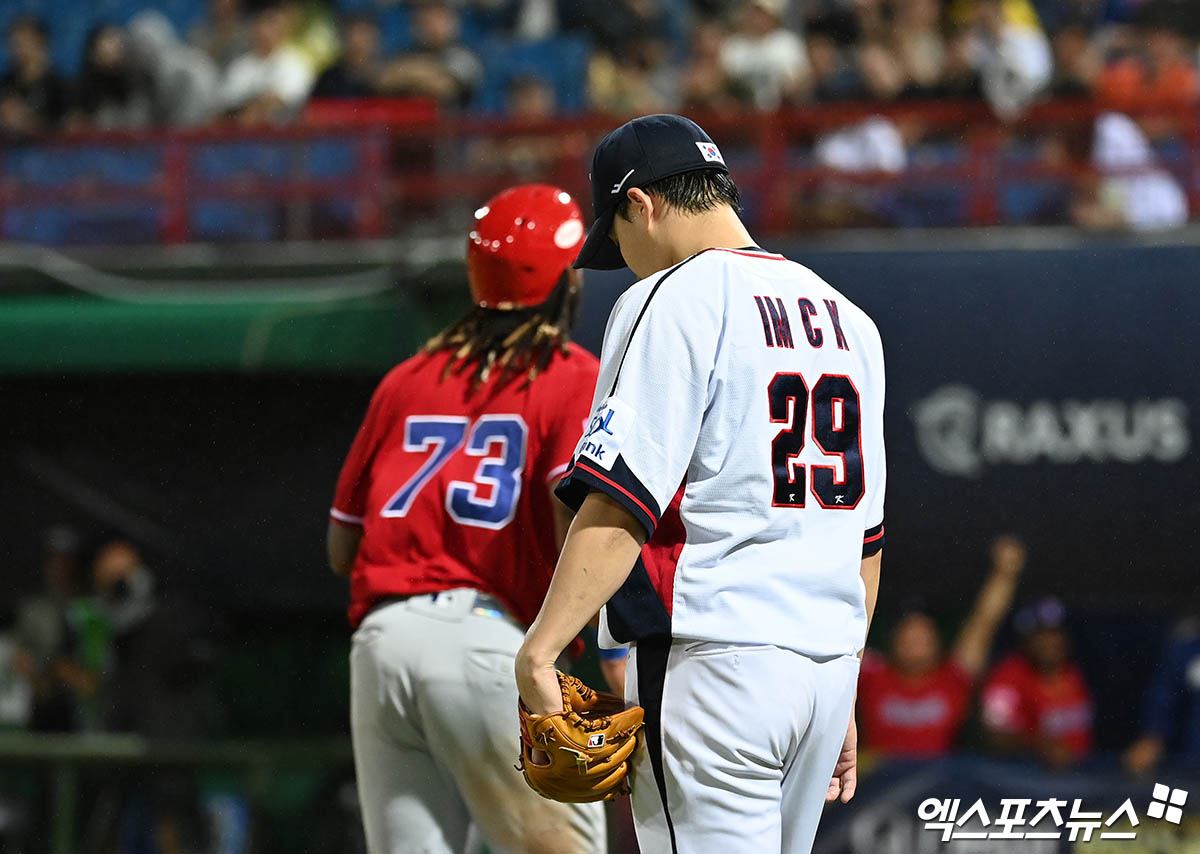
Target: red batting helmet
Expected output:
[523,240]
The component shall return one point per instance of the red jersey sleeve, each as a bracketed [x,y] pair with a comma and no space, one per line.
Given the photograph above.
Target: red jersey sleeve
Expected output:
[350,497]
[564,415]
[870,674]
[873,666]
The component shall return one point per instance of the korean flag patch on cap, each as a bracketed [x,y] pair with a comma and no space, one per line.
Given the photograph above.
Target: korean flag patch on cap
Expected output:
[710,152]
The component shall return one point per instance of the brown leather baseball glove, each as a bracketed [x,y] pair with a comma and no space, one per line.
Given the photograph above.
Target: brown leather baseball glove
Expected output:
[582,753]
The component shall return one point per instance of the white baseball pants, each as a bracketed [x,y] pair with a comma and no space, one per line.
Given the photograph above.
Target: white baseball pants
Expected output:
[433,713]
[740,744]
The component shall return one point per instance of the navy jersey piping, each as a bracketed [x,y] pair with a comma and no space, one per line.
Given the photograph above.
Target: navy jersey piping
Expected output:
[628,341]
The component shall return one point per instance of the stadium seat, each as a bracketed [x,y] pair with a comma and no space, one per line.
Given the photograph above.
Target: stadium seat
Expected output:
[71,20]
[395,28]
[110,224]
[330,158]
[37,166]
[929,154]
[105,223]
[932,205]
[127,165]
[561,62]
[68,33]
[234,222]
[184,14]
[1031,202]
[224,161]
[45,226]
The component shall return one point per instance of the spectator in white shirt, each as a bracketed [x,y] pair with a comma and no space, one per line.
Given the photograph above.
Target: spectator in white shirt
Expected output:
[1134,191]
[271,81]
[873,145]
[765,57]
[1013,59]
[185,78]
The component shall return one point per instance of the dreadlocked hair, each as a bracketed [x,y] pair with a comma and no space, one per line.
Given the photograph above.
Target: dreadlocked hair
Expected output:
[512,341]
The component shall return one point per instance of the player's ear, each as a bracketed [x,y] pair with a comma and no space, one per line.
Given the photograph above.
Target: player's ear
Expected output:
[641,206]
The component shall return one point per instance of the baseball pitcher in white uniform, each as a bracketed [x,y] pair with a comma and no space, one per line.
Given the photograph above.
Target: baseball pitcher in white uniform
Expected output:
[729,494]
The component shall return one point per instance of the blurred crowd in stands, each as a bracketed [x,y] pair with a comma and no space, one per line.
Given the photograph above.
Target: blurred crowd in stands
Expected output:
[919,699]
[262,61]
[102,648]
[238,63]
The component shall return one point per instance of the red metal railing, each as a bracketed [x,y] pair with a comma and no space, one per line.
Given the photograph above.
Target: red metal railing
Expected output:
[406,165]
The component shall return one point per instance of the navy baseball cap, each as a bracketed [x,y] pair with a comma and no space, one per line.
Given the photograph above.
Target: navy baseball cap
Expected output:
[636,154]
[1046,613]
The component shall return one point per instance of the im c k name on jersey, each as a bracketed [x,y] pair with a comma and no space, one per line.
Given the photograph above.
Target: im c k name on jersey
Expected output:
[738,416]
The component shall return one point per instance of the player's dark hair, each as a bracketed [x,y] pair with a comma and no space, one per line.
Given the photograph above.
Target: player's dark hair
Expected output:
[692,192]
[513,341]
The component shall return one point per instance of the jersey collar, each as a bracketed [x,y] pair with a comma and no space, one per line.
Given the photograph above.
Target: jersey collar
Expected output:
[751,250]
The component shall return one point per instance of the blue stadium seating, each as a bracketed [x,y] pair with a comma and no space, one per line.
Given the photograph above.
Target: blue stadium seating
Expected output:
[39,167]
[59,166]
[224,161]
[1028,202]
[394,28]
[560,62]
[69,22]
[105,223]
[248,220]
[87,221]
[226,222]
[930,154]
[112,224]
[934,205]
[253,220]
[330,158]
[45,226]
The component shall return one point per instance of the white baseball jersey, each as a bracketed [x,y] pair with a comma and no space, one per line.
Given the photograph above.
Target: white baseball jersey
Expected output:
[738,416]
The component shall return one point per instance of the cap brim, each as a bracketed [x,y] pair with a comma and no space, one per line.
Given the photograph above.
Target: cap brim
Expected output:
[599,252]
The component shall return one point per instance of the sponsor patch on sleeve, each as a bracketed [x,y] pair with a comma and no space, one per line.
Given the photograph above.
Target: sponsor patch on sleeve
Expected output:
[609,426]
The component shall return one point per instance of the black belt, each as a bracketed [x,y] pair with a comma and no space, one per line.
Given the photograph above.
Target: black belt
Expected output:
[381,601]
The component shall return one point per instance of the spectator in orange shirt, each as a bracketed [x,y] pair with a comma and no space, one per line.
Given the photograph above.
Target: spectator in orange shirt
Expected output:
[913,702]
[1036,701]
[1159,76]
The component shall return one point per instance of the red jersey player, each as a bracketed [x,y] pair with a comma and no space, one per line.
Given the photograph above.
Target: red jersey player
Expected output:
[1036,700]
[446,525]
[913,702]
